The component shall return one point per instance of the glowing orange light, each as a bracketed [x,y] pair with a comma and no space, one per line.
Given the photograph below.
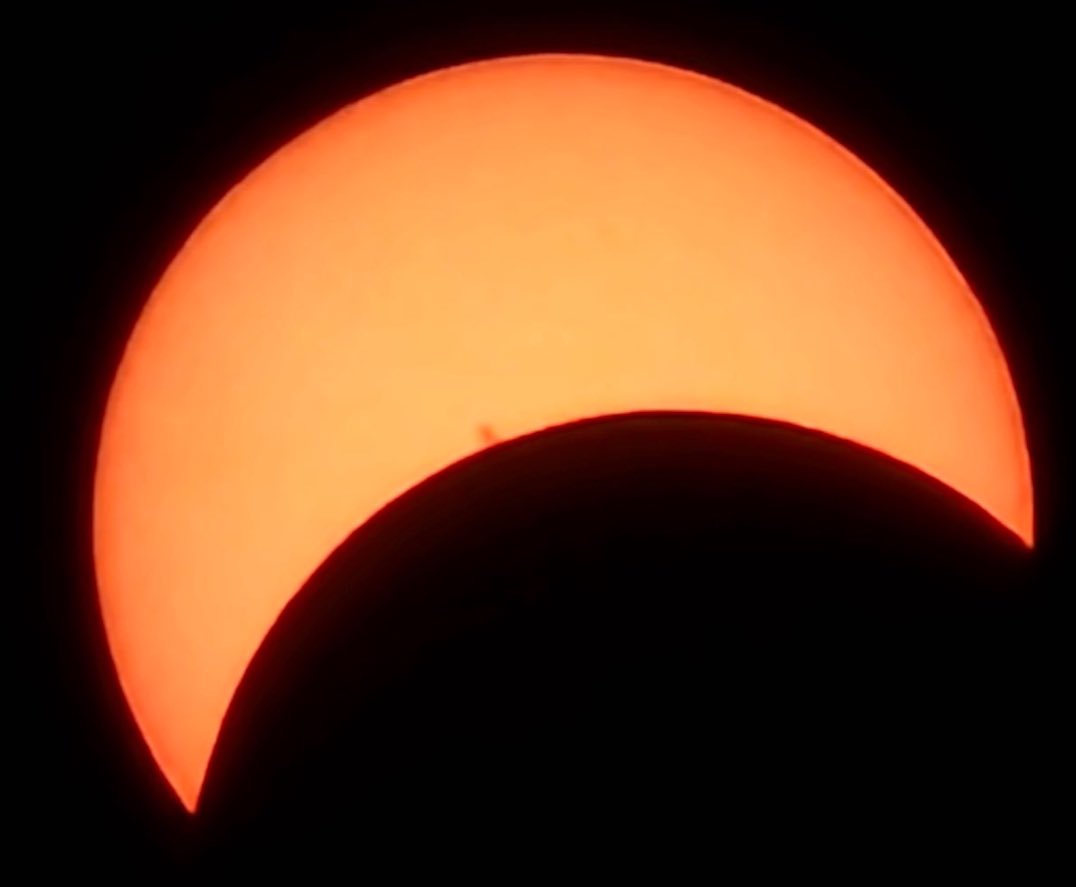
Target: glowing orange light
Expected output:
[480,253]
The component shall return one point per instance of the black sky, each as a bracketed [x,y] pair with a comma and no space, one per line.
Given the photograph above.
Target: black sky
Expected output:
[134,123]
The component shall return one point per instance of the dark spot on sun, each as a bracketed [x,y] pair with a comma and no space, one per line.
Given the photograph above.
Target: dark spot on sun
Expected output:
[487,435]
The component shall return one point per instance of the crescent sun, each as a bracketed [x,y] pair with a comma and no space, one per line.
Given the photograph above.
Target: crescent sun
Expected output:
[480,253]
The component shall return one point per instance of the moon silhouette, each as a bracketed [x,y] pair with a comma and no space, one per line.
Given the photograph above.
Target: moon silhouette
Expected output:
[480,253]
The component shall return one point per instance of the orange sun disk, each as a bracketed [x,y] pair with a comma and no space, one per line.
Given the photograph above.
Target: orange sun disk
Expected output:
[486,251]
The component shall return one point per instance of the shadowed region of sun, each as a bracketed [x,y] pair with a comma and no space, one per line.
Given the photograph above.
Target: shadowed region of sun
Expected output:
[480,253]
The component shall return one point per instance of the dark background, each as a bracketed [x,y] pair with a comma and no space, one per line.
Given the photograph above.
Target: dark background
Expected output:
[135,123]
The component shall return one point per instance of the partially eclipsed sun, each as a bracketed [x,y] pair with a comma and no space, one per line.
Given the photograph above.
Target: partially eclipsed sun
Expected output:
[506,246]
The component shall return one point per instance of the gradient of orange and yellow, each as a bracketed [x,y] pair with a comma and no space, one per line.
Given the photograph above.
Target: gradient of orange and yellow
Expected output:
[511,244]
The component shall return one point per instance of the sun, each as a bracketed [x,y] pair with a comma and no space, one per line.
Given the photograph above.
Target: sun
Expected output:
[479,253]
